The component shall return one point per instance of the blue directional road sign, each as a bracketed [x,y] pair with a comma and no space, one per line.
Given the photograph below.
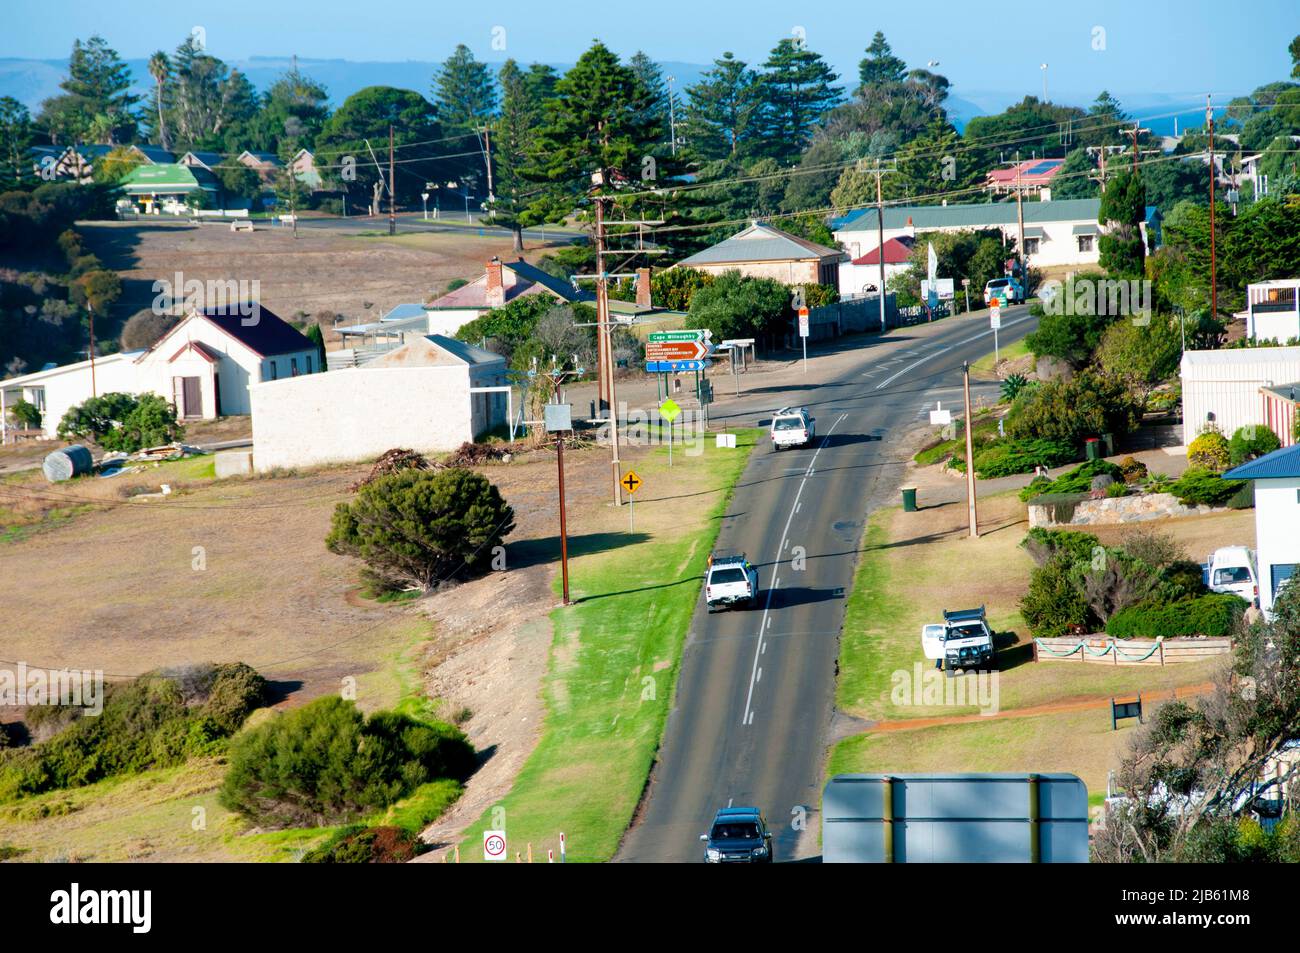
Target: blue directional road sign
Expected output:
[675,367]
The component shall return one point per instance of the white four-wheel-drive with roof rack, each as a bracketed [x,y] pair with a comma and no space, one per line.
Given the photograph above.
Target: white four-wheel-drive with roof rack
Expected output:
[730,581]
[792,427]
[963,640]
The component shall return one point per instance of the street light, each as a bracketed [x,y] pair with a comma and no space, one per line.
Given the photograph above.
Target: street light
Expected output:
[672,115]
[1043,67]
[464,193]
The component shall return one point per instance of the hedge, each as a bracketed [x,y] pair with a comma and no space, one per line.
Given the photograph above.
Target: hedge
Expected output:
[1201,487]
[1215,615]
[1042,544]
[1008,457]
[158,720]
[1078,480]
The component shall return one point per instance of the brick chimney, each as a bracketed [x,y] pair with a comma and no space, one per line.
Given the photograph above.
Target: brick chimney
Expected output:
[643,288]
[495,296]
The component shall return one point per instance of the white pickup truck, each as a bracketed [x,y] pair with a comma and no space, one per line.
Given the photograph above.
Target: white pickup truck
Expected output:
[730,581]
[792,427]
[964,640]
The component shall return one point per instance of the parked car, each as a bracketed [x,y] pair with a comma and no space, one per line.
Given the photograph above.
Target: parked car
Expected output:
[738,835]
[1007,291]
[730,581]
[792,427]
[1232,569]
[963,640]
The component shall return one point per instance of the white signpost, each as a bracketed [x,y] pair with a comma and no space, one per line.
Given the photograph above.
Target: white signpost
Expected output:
[803,336]
[940,417]
[995,322]
[494,845]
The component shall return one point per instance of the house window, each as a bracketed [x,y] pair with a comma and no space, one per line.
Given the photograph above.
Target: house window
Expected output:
[274,372]
[1085,243]
[308,363]
[1031,246]
[293,367]
[1280,574]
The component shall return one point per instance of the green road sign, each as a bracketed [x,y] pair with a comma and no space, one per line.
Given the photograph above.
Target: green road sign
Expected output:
[659,337]
[669,410]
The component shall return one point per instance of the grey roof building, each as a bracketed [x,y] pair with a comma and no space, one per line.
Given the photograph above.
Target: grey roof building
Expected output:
[764,251]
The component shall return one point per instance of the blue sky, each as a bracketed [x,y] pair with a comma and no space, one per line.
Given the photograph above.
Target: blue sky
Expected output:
[1156,47]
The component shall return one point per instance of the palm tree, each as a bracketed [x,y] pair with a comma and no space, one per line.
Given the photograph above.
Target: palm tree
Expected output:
[160,69]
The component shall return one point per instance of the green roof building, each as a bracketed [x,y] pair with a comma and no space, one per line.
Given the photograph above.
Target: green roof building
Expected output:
[152,184]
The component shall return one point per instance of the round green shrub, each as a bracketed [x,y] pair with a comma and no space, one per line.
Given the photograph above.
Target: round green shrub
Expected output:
[1209,451]
[326,763]
[1053,604]
[1250,443]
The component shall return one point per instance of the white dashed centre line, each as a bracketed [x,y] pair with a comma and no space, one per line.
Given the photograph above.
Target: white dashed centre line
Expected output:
[760,647]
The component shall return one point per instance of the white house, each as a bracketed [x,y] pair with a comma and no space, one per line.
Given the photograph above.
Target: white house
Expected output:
[54,390]
[1273,310]
[204,366]
[861,275]
[500,284]
[431,394]
[1277,518]
[1229,388]
[1063,232]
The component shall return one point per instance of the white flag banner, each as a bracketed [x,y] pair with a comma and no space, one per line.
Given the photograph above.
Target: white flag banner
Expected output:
[932,264]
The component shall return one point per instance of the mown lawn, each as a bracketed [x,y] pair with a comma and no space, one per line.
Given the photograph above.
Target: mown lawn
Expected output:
[614,663]
[913,566]
[1076,742]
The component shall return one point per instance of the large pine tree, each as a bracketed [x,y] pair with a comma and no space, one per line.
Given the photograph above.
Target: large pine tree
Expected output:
[594,123]
[1123,207]
[720,116]
[514,135]
[797,88]
[96,97]
[880,65]
[464,92]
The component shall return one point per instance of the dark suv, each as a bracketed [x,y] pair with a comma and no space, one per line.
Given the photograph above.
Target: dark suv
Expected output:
[739,835]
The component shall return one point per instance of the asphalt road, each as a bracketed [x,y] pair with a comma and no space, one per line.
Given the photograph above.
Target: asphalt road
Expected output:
[753,708]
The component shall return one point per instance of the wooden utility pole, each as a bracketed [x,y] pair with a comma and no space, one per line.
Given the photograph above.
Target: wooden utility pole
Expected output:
[487,158]
[880,251]
[564,529]
[1020,219]
[1214,285]
[970,455]
[1134,133]
[90,310]
[880,172]
[392,208]
[605,341]
[602,385]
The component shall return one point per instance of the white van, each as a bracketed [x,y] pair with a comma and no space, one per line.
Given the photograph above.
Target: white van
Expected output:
[1232,569]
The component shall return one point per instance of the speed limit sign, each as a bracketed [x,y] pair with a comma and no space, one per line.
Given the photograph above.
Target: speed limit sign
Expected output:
[494,845]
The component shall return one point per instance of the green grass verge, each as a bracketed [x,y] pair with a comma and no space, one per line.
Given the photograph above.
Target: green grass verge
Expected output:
[986,427]
[1008,353]
[611,676]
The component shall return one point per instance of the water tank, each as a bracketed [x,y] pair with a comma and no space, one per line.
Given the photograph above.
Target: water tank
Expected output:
[66,463]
